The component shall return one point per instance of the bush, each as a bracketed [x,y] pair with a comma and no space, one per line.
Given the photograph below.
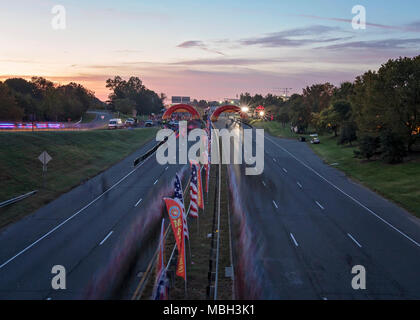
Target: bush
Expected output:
[368,147]
[393,147]
[347,134]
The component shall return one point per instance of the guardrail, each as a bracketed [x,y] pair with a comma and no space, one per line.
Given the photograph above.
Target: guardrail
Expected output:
[17,199]
[149,153]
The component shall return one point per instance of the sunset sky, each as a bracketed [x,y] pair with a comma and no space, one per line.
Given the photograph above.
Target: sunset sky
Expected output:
[204,49]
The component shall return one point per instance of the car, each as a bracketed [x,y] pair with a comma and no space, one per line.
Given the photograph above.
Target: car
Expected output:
[115,124]
[130,122]
[315,141]
[149,123]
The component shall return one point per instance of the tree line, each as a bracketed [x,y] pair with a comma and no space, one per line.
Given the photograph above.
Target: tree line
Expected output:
[380,110]
[132,95]
[41,100]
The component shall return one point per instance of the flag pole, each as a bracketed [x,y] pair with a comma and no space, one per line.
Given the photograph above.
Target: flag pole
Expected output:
[185,266]
[189,246]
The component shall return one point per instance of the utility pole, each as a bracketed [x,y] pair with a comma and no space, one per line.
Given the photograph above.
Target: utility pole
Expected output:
[285,91]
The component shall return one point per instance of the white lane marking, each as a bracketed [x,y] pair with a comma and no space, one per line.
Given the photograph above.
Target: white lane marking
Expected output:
[48,299]
[275,204]
[354,240]
[300,185]
[166,168]
[325,299]
[319,205]
[264,184]
[346,194]
[294,240]
[156,181]
[106,238]
[274,159]
[74,215]
[284,170]
[138,202]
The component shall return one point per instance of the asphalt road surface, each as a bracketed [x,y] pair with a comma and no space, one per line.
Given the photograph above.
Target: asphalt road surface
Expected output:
[86,231]
[313,225]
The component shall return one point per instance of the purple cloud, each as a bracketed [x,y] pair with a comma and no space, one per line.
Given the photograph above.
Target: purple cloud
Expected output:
[199,45]
[290,38]
[413,27]
[377,44]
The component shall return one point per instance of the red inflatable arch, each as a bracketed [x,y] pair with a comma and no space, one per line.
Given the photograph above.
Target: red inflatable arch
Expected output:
[181,108]
[228,109]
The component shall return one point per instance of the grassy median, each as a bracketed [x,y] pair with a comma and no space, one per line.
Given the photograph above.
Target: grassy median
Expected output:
[399,183]
[77,156]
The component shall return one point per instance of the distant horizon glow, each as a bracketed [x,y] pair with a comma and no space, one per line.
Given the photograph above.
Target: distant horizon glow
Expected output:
[205,50]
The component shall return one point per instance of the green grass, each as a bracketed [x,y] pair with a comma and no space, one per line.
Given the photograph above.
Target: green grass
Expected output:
[88,117]
[77,156]
[274,128]
[399,183]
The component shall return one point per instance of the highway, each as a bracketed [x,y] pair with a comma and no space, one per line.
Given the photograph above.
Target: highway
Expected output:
[92,231]
[312,225]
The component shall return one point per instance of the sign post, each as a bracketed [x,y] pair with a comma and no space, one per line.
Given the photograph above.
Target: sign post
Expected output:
[44,158]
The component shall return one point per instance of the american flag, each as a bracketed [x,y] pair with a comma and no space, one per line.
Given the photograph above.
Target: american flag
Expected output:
[179,195]
[161,290]
[194,192]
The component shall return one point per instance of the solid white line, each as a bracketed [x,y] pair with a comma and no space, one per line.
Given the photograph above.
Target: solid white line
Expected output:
[156,181]
[103,241]
[284,170]
[294,240]
[138,202]
[300,185]
[346,194]
[275,204]
[355,241]
[319,205]
[74,215]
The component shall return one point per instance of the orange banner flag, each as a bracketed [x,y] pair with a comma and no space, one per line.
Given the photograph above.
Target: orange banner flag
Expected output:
[200,197]
[175,212]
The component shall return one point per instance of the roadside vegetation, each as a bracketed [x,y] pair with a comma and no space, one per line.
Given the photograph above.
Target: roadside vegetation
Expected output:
[42,100]
[77,156]
[370,127]
[380,110]
[88,117]
[397,182]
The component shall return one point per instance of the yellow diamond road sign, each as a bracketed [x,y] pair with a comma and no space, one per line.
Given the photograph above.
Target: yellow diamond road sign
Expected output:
[44,158]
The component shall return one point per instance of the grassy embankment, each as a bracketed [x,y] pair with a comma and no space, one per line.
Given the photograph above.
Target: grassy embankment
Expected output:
[399,183]
[76,157]
[88,117]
